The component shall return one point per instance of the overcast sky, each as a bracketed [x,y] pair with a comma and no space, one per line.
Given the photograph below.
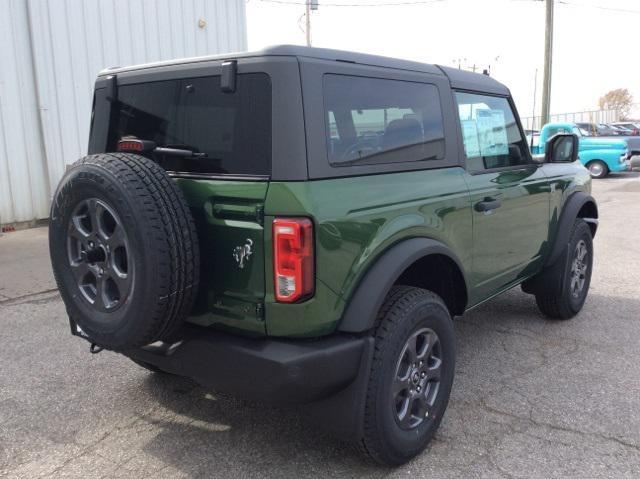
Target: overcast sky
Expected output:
[596,42]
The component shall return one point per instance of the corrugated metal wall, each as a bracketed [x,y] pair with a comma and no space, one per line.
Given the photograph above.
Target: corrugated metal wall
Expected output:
[24,185]
[51,51]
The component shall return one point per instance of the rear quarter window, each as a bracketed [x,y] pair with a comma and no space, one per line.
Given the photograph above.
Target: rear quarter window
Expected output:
[377,121]
[229,133]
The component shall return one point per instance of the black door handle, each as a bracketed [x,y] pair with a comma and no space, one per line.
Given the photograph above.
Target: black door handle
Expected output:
[487,204]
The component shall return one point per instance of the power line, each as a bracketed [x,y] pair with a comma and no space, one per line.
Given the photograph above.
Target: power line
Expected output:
[386,3]
[427,2]
[599,7]
[383,4]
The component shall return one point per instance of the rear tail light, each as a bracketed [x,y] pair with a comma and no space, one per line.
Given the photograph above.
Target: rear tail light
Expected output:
[134,144]
[293,260]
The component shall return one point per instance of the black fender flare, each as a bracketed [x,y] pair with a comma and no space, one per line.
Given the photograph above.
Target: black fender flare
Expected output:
[572,207]
[550,279]
[364,304]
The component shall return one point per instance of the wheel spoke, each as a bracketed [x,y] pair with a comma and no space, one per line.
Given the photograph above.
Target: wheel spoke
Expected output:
[431,339]
[80,271]
[76,231]
[117,238]
[92,211]
[433,372]
[101,287]
[121,281]
[98,228]
[398,386]
[582,252]
[575,284]
[404,414]
[425,409]
[411,349]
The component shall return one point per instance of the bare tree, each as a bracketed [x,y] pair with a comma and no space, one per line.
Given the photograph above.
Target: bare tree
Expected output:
[619,99]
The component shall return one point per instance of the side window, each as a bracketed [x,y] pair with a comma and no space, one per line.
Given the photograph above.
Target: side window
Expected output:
[375,121]
[490,133]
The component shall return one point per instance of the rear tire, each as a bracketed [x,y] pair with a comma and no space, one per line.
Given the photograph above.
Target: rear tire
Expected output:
[411,375]
[569,299]
[598,169]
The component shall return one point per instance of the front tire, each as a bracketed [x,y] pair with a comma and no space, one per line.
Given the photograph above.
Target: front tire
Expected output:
[598,169]
[411,375]
[569,299]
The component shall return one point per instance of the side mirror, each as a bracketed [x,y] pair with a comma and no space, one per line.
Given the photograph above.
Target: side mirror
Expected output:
[562,148]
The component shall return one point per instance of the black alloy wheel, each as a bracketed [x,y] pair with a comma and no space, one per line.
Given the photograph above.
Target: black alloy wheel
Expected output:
[417,379]
[99,255]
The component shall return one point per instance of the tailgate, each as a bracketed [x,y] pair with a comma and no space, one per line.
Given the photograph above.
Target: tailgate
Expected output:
[229,220]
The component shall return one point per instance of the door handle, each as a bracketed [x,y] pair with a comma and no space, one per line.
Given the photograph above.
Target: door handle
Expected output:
[487,204]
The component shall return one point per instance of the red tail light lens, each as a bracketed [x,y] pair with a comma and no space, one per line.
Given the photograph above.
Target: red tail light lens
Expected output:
[130,145]
[134,144]
[293,260]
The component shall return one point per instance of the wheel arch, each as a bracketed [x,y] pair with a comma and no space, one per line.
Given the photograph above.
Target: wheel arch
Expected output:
[578,205]
[598,160]
[420,262]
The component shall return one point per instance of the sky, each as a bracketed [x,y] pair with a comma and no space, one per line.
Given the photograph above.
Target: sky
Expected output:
[596,42]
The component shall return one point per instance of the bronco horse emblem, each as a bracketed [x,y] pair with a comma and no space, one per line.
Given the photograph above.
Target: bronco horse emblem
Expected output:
[242,253]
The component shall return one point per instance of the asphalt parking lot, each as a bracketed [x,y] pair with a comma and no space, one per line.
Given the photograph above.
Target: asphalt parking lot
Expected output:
[532,397]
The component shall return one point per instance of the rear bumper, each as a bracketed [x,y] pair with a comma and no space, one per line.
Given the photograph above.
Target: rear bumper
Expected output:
[279,371]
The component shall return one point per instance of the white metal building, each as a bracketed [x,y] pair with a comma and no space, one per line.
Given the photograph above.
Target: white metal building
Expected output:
[50,54]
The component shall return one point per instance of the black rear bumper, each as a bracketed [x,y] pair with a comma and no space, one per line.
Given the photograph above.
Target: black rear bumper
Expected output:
[273,370]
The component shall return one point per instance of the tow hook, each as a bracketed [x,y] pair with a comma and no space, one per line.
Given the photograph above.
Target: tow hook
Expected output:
[95,349]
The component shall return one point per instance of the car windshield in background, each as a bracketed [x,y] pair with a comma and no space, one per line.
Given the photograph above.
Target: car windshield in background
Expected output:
[228,133]
[372,120]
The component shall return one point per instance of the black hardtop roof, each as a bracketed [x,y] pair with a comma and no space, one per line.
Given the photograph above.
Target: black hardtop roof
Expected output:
[459,78]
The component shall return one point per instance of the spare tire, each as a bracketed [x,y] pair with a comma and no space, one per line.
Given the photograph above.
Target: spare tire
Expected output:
[124,250]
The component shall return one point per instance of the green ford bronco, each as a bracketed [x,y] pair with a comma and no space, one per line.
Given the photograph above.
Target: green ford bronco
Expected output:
[301,225]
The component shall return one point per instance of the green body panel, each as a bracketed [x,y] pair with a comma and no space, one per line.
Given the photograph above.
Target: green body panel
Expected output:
[564,180]
[227,215]
[509,243]
[356,219]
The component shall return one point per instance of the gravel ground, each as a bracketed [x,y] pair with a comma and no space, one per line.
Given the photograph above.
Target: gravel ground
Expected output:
[532,398]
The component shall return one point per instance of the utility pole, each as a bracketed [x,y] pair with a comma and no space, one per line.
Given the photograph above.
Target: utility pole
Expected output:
[307,17]
[548,59]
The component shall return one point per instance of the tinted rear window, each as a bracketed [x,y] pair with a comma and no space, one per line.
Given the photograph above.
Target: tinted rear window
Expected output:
[229,133]
[371,120]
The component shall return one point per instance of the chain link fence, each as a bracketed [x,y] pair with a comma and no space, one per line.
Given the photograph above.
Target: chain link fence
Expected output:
[594,116]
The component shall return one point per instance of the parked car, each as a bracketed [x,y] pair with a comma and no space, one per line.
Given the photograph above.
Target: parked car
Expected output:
[597,129]
[633,127]
[620,130]
[600,156]
[300,225]
[605,130]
